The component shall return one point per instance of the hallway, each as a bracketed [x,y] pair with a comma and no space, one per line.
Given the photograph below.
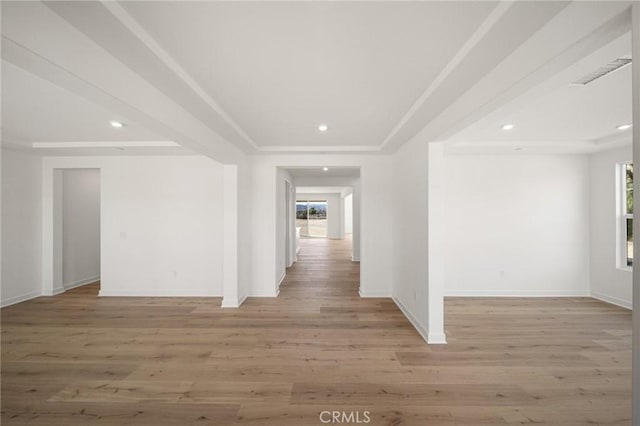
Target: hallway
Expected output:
[317,347]
[324,268]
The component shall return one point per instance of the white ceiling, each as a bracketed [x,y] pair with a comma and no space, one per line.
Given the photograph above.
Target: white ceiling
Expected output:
[343,190]
[37,111]
[557,115]
[318,172]
[223,78]
[281,69]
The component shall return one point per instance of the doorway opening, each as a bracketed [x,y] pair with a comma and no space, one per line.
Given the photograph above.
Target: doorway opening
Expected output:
[315,205]
[77,229]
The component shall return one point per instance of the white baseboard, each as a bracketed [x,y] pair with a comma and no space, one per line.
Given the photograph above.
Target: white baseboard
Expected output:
[526,293]
[80,283]
[265,294]
[153,293]
[613,300]
[355,259]
[412,319]
[54,292]
[22,298]
[230,303]
[284,274]
[436,339]
[430,338]
[374,293]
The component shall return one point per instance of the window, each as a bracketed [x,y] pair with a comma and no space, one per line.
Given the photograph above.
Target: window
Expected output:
[626,216]
[311,218]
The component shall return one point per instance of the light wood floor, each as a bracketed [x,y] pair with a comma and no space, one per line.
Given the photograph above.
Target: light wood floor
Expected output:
[76,359]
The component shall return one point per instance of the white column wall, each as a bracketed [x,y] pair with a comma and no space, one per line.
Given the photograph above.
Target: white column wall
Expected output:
[230,240]
[348,214]
[436,242]
[636,226]
[21,227]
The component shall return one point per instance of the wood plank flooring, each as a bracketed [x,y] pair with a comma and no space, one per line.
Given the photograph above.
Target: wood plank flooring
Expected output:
[76,359]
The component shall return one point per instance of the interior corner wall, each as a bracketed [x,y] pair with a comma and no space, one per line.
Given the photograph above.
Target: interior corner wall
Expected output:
[282,177]
[517,225]
[410,234]
[357,213]
[81,227]
[245,214]
[21,227]
[608,282]
[335,212]
[348,214]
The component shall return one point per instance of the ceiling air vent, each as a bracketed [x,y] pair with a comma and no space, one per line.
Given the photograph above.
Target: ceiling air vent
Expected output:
[602,71]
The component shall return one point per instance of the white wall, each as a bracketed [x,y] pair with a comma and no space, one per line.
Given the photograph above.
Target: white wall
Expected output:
[162,227]
[410,234]
[335,212]
[418,259]
[282,177]
[373,188]
[21,227]
[81,227]
[608,282]
[245,217]
[348,214]
[161,224]
[517,225]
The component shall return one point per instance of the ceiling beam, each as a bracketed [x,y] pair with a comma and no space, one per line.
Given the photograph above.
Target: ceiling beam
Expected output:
[551,49]
[74,62]
[109,25]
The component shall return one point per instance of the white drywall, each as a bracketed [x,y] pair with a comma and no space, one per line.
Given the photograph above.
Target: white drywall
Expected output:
[348,214]
[335,212]
[80,227]
[418,247]
[161,224]
[436,241]
[635,86]
[372,193]
[410,234]
[608,282]
[282,227]
[517,225]
[163,227]
[21,227]
[245,217]
[231,224]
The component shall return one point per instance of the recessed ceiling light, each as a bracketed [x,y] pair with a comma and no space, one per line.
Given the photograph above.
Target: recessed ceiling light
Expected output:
[326,169]
[116,124]
[323,127]
[624,127]
[508,127]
